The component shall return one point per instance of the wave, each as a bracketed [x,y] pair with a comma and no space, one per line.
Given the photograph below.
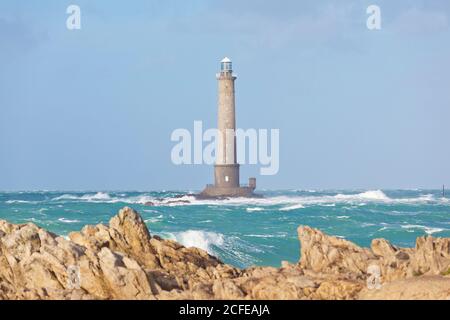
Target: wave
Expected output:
[99,196]
[254,209]
[293,207]
[18,201]
[150,211]
[289,202]
[428,230]
[367,195]
[367,224]
[154,219]
[266,235]
[298,202]
[103,197]
[205,240]
[68,221]
[230,248]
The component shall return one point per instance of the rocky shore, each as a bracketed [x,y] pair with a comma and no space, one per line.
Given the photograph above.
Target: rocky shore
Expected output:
[123,261]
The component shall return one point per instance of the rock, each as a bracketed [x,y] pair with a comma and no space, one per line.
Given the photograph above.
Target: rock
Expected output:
[337,290]
[324,254]
[131,236]
[329,255]
[119,261]
[123,260]
[226,289]
[431,255]
[383,248]
[402,255]
[418,288]
[124,277]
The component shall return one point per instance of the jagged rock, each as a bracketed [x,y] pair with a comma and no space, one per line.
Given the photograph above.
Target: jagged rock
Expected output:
[325,254]
[330,255]
[383,248]
[126,233]
[124,276]
[123,261]
[118,261]
[431,256]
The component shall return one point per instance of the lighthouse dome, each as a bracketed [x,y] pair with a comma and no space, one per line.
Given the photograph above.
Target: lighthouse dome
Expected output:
[225,65]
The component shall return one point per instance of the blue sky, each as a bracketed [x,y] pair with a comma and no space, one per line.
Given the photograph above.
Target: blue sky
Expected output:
[94,108]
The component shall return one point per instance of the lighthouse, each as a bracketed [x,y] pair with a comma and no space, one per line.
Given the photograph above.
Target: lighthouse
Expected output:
[226,168]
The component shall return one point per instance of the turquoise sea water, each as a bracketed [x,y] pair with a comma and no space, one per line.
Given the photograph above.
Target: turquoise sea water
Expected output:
[245,232]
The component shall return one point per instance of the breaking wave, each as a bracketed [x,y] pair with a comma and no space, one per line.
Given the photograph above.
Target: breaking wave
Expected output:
[298,202]
[205,240]
[428,230]
[376,195]
[217,244]
[287,202]
[99,196]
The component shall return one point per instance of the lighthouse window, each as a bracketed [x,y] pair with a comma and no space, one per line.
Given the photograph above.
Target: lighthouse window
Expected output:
[226,178]
[226,66]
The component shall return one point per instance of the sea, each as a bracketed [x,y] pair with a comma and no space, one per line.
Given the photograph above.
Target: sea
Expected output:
[241,231]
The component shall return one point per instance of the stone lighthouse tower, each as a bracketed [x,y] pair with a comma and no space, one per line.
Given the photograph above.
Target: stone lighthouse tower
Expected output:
[226,169]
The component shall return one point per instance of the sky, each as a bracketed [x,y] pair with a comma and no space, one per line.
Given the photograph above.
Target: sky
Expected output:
[94,109]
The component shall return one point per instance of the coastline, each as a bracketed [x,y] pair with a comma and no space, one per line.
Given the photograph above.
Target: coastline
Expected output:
[123,261]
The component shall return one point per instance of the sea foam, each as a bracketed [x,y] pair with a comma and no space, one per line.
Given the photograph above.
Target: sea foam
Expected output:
[293,207]
[289,202]
[200,239]
[68,220]
[367,195]
[99,196]
[428,230]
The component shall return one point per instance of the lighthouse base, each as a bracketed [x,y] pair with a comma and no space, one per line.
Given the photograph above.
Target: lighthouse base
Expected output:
[213,192]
